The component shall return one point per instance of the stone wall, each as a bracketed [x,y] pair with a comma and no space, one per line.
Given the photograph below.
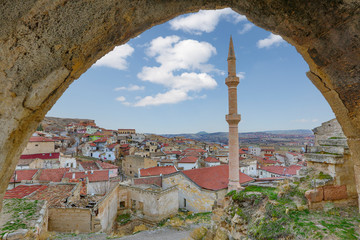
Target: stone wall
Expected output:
[327,130]
[107,209]
[155,204]
[39,147]
[69,220]
[197,199]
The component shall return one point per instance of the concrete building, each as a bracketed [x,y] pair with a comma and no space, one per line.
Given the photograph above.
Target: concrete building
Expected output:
[211,162]
[203,188]
[256,151]
[132,164]
[38,145]
[187,163]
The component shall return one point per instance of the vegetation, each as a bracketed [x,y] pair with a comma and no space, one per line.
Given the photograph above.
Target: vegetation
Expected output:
[281,213]
[321,175]
[22,211]
[123,218]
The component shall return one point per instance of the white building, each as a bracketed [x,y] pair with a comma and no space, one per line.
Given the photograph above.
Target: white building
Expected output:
[187,163]
[254,151]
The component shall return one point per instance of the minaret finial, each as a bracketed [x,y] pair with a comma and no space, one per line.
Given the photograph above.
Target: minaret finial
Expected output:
[231,49]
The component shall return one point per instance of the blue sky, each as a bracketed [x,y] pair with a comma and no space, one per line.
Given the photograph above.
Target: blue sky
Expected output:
[171,79]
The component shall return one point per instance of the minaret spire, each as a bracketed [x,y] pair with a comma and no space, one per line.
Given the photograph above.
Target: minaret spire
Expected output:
[231,54]
[233,119]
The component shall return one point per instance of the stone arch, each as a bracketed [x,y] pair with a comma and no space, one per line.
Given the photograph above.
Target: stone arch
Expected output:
[45,45]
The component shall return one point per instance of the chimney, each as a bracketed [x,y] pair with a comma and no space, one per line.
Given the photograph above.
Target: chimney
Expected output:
[92,171]
[73,176]
[85,172]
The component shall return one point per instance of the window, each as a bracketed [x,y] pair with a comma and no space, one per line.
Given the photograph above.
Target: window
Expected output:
[109,155]
[130,172]
[133,204]
[184,202]
[36,145]
[122,204]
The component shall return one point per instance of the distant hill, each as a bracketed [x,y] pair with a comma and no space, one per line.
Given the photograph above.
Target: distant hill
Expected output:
[222,137]
[292,132]
[59,124]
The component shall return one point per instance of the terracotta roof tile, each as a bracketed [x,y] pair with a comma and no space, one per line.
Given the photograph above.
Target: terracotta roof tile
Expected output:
[189,159]
[95,176]
[23,191]
[156,171]
[55,195]
[105,165]
[211,160]
[54,155]
[52,175]
[89,165]
[25,174]
[100,140]
[214,178]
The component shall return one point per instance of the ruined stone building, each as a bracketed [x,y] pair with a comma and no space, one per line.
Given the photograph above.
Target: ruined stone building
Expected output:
[332,162]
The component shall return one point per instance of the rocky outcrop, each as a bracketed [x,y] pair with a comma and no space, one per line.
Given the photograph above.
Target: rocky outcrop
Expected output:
[45,45]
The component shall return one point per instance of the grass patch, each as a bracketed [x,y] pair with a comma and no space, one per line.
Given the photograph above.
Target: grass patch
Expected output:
[322,175]
[123,218]
[22,211]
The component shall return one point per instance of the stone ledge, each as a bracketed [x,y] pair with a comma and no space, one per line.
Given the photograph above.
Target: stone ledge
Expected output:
[334,142]
[324,158]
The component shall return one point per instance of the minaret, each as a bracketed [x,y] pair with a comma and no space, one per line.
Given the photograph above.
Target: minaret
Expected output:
[233,119]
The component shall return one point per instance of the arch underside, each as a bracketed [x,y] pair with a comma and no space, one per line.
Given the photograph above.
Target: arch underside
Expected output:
[46,45]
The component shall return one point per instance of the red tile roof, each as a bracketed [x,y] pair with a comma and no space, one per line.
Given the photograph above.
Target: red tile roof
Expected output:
[242,151]
[23,191]
[291,170]
[54,155]
[55,195]
[213,178]
[95,176]
[211,159]
[52,175]
[92,144]
[155,171]
[89,165]
[194,150]
[40,139]
[189,159]
[100,140]
[105,165]
[173,152]
[111,146]
[25,174]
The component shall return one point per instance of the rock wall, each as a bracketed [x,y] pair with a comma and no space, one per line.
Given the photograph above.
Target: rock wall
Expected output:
[46,44]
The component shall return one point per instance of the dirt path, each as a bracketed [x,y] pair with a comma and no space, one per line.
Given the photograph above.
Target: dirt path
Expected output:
[164,233]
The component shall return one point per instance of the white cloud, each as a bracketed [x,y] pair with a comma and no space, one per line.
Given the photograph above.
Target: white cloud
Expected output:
[175,55]
[247,27]
[130,88]
[241,75]
[116,58]
[204,20]
[172,96]
[271,40]
[121,99]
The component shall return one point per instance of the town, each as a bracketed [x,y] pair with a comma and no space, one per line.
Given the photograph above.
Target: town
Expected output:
[89,175]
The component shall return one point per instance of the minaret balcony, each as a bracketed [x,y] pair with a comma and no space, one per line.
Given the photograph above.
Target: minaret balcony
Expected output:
[233,118]
[232,81]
